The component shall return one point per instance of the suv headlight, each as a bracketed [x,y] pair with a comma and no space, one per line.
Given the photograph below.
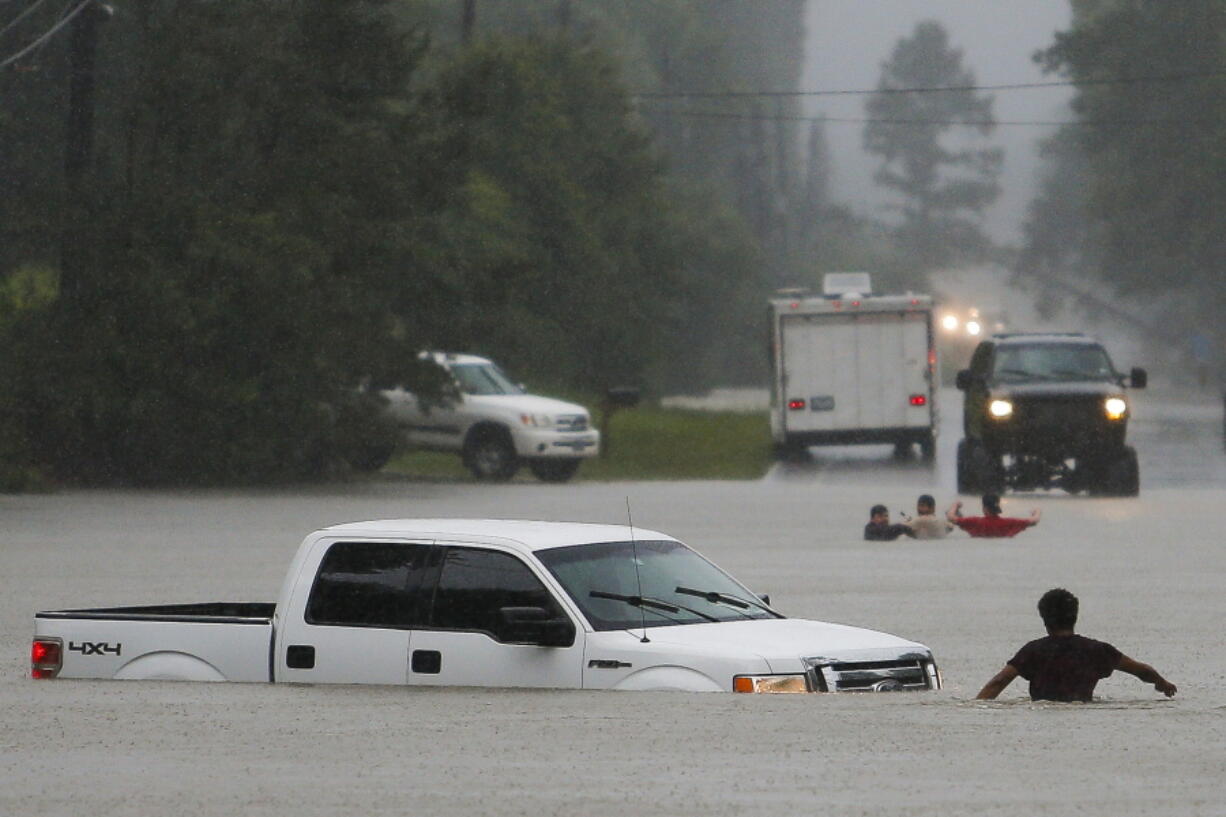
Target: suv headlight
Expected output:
[1000,409]
[1116,408]
[770,683]
[537,420]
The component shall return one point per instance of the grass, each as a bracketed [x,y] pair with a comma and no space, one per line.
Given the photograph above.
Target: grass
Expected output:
[643,443]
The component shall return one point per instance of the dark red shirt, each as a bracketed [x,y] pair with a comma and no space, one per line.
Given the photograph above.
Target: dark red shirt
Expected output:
[992,527]
[1065,667]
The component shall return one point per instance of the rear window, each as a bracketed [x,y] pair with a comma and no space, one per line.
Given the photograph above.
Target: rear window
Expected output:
[368,584]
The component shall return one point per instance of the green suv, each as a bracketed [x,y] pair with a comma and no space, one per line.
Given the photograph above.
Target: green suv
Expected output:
[1046,411]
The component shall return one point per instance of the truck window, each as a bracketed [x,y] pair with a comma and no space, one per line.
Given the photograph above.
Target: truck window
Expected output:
[475,583]
[368,584]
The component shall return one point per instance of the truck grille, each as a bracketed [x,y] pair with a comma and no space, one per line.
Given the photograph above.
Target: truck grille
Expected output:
[572,422]
[904,674]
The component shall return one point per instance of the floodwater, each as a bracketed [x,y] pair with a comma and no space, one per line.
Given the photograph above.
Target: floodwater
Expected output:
[1150,573]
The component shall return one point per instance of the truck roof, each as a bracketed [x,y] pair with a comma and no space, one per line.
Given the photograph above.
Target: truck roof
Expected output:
[1010,338]
[444,358]
[530,534]
[812,305]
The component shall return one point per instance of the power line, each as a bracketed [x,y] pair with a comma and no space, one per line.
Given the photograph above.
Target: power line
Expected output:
[29,10]
[1015,86]
[47,35]
[984,123]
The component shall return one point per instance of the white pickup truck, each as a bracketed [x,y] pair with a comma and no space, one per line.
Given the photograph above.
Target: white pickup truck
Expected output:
[497,603]
[493,423]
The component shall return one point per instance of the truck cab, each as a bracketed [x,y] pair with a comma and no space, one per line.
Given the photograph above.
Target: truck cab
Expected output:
[493,423]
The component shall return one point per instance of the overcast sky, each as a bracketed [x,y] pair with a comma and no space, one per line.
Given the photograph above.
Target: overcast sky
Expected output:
[849,39]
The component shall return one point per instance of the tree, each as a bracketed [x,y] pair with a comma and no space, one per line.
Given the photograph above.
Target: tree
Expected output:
[1152,98]
[943,190]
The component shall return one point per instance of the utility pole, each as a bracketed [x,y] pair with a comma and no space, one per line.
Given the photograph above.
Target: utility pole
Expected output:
[79,144]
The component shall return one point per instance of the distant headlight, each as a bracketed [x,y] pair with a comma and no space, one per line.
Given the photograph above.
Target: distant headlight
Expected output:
[1116,408]
[538,420]
[1000,409]
[770,683]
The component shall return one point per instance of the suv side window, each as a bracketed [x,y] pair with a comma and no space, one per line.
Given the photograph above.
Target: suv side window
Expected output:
[368,584]
[474,584]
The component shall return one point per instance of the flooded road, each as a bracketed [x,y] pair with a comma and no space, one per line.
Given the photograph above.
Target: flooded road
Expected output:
[1149,571]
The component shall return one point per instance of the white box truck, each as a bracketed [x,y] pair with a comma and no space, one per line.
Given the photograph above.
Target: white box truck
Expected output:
[852,367]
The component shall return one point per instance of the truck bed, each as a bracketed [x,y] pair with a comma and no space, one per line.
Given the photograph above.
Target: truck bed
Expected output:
[211,641]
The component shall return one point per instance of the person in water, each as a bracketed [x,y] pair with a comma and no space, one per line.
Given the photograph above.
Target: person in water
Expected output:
[1065,666]
[879,528]
[991,525]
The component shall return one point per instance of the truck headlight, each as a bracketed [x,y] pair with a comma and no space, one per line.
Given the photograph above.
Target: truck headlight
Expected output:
[1000,409]
[537,420]
[770,683]
[1116,408]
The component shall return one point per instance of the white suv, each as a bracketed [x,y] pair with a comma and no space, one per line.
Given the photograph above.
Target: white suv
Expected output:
[493,423]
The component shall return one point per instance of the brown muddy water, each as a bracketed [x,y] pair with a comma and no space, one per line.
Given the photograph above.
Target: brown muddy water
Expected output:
[1150,573]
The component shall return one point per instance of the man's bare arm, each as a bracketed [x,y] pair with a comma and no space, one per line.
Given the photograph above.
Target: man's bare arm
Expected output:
[1147,674]
[955,511]
[1034,517]
[998,683]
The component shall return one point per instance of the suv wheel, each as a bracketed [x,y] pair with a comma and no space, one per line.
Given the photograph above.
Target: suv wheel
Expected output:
[556,470]
[978,470]
[928,447]
[490,455]
[1122,476]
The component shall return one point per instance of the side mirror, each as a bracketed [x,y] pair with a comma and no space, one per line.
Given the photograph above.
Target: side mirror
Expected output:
[765,597]
[963,380]
[1138,378]
[535,625]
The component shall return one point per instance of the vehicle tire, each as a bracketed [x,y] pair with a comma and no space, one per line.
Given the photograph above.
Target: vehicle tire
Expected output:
[1123,474]
[555,470]
[791,452]
[978,470]
[372,457]
[928,447]
[902,451]
[489,455]
[966,479]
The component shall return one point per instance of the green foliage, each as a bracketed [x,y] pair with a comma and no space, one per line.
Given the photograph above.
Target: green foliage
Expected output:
[943,190]
[1153,152]
[646,443]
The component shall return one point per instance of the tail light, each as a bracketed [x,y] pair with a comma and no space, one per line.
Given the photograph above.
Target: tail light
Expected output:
[46,657]
[796,405]
[919,400]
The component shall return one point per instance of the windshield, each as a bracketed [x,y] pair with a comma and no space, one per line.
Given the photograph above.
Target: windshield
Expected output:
[608,569]
[483,378]
[1053,361]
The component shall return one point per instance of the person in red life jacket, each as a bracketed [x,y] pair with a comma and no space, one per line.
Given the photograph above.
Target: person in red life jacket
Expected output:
[1065,666]
[991,524]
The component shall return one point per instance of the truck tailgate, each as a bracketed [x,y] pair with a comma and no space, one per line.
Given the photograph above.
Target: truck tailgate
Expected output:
[207,642]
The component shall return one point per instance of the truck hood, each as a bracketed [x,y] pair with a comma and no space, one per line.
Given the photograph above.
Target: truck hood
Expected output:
[527,403]
[1057,388]
[783,642]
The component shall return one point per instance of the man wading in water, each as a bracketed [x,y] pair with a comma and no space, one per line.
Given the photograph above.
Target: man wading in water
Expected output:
[1065,666]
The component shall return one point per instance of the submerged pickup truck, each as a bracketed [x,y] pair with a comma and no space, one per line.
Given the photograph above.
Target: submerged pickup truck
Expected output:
[497,603]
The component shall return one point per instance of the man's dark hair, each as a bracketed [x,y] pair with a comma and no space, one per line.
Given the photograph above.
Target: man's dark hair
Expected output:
[1058,607]
[991,503]
[876,509]
[926,499]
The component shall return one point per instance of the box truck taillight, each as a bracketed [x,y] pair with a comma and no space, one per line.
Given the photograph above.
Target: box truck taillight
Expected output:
[796,405]
[919,400]
[46,657]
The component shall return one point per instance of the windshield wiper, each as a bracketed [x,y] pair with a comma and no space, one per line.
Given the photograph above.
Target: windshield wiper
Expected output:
[650,603]
[716,597]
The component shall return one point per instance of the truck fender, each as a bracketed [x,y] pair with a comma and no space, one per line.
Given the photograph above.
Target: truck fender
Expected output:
[168,666]
[680,679]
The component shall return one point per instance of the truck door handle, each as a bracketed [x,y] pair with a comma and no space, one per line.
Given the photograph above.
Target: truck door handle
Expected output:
[300,656]
[427,662]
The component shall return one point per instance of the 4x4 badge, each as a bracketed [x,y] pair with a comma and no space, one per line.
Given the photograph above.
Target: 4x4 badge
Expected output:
[94,647]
